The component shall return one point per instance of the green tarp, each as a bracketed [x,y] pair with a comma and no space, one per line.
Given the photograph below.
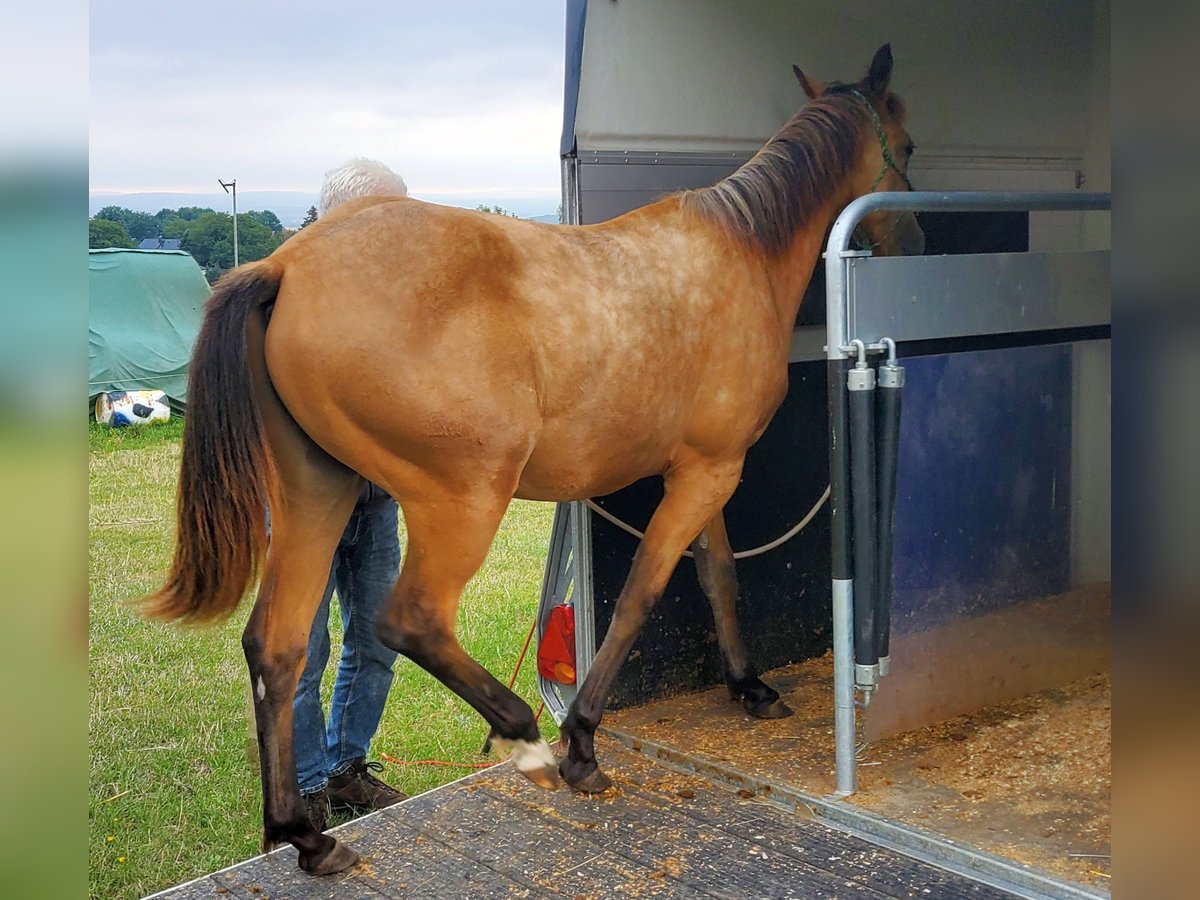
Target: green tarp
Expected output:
[145,309]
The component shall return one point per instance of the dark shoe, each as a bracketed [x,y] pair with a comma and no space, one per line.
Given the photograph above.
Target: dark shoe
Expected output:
[318,808]
[359,790]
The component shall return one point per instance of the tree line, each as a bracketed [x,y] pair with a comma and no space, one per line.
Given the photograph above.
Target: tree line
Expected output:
[204,233]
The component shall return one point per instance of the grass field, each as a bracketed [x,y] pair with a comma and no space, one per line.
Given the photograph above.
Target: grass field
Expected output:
[173,792]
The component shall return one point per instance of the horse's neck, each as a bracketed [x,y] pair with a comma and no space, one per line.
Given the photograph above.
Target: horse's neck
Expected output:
[791,271]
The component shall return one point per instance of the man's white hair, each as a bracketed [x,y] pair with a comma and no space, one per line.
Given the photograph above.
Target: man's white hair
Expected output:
[359,178]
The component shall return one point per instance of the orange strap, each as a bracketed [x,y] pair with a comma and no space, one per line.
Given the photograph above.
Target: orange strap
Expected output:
[396,761]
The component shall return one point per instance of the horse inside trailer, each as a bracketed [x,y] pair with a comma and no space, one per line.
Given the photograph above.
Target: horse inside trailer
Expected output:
[992,729]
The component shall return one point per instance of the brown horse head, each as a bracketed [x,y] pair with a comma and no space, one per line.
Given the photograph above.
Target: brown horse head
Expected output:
[885,160]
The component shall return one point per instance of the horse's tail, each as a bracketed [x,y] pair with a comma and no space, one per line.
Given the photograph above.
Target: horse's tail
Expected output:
[226,468]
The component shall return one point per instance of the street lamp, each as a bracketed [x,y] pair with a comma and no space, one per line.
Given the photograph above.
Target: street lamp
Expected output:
[227,185]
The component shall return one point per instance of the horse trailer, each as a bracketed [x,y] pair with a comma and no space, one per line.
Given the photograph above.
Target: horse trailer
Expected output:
[996,572]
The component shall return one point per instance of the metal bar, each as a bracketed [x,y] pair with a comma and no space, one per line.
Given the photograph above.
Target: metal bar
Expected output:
[557,586]
[570,191]
[839,469]
[911,298]
[843,687]
[957,201]
[842,586]
[837,251]
[836,325]
[584,598]
[978,343]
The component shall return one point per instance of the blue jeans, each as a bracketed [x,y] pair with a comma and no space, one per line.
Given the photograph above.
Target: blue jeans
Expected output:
[365,566]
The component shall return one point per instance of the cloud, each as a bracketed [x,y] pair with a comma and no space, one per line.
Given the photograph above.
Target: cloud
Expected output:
[456,96]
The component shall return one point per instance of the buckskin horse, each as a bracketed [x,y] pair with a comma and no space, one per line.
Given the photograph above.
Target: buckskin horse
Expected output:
[460,359]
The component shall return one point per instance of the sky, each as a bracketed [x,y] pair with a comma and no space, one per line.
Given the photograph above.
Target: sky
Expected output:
[457,96]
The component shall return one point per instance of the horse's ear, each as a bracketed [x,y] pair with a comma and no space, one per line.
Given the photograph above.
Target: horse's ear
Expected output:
[881,71]
[814,89]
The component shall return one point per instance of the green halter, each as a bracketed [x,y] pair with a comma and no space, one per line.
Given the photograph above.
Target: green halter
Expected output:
[889,162]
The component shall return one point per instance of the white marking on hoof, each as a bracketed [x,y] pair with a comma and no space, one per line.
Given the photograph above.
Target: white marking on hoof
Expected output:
[261,690]
[528,756]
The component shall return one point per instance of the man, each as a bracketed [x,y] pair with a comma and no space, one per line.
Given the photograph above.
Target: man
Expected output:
[331,753]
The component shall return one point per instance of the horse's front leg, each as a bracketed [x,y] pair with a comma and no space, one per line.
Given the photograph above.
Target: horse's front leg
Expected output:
[693,495]
[275,642]
[718,578]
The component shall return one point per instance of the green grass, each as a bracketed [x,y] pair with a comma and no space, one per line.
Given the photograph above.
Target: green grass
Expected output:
[105,439]
[173,793]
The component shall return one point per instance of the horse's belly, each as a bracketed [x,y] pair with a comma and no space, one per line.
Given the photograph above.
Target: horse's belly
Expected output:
[571,464]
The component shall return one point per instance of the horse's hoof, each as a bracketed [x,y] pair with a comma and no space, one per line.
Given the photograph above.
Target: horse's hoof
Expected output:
[337,858]
[775,709]
[543,776]
[591,781]
[533,759]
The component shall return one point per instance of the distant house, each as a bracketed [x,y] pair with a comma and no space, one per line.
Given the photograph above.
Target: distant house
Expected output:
[159,244]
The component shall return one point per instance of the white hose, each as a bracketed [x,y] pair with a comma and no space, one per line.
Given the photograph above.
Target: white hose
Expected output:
[742,554]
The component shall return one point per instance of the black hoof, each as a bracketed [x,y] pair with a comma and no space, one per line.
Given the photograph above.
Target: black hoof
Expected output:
[337,857]
[772,709]
[587,779]
[758,698]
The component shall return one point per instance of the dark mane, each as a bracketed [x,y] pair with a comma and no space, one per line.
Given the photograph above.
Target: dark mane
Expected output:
[772,196]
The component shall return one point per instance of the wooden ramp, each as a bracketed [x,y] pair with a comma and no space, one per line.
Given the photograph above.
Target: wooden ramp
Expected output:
[656,834]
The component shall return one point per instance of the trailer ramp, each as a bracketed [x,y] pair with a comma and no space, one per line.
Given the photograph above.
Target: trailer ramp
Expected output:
[657,834]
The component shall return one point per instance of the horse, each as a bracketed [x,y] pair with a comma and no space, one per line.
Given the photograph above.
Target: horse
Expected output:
[460,359]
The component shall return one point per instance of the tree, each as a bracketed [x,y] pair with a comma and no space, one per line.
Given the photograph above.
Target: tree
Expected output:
[162,217]
[104,233]
[111,213]
[174,223]
[266,217]
[139,225]
[174,227]
[309,217]
[191,213]
[210,241]
[498,210]
[255,239]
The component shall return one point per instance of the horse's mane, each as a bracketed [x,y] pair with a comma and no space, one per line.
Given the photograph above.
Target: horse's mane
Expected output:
[771,197]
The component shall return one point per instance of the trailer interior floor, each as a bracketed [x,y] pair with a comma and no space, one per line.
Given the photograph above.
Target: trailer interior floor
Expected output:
[1028,780]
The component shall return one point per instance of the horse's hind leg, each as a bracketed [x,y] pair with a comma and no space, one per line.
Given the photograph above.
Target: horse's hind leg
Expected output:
[448,538]
[718,578]
[309,512]
[693,495]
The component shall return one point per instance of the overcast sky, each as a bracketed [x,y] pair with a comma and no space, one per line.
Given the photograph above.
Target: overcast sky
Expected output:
[455,95]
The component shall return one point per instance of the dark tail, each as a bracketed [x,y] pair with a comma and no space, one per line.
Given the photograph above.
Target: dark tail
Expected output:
[225,469]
